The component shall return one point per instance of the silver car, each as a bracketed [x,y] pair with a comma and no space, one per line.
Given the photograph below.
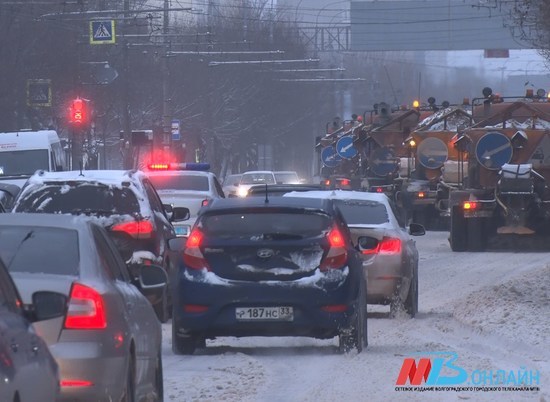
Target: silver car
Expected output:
[24,356]
[389,253]
[108,343]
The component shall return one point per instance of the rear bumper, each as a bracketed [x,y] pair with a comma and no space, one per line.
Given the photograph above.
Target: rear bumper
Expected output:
[222,297]
[89,361]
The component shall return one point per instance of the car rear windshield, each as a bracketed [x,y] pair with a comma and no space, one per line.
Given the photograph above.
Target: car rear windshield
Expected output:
[39,249]
[287,178]
[363,212]
[272,225]
[80,198]
[258,178]
[172,182]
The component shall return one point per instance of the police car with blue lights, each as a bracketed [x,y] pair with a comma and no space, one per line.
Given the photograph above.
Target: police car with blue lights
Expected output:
[188,185]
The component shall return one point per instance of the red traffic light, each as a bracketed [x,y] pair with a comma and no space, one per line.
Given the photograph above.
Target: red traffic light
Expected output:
[78,111]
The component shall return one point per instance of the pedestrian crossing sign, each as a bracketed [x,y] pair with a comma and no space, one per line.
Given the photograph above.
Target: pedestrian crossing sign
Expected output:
[102,32]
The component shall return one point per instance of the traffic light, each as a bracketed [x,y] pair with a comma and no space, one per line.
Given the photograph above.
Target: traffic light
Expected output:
[78,113]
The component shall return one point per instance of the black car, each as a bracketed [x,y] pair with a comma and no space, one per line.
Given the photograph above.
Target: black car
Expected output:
[28,371]
[124,202]
[281,267]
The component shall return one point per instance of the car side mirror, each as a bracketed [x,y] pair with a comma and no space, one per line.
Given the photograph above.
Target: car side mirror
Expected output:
[416,229]
[152,277]
[180,214]
[177,243]
[367,243]
[47,305]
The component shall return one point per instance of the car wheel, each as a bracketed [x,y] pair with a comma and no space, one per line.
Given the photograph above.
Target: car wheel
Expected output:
[159,379]
[356,336]
[130,389]
[184,345]
[411,303]
[458,231]
[162,309]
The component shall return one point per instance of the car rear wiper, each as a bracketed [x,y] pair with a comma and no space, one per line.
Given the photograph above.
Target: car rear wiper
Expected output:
[281,236]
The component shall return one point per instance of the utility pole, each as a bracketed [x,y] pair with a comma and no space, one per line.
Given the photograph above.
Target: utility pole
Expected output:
[128,162]
[166,101]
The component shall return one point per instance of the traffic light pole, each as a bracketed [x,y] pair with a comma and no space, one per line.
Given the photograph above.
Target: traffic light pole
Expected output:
[128,162]
[166,101]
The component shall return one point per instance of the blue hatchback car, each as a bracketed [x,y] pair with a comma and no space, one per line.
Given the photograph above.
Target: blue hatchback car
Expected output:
[270,267]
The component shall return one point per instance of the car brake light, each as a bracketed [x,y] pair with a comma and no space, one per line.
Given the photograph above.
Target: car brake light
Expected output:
[379,190]
[421,194]
[86,309]
[137,229]
[337,254]
[390,245]
[345,182]
[75,383]
[192,256]
[470,205]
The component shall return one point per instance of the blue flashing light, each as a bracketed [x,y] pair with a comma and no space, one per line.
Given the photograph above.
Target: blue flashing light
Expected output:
[190,166]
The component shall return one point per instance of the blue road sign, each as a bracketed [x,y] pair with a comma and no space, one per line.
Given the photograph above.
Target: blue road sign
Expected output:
[493,150]
[176,136]
[345,148]
[432,153]
[102,32]
[329,157]
[383,162]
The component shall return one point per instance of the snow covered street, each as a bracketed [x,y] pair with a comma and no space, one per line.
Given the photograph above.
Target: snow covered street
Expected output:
[492,309]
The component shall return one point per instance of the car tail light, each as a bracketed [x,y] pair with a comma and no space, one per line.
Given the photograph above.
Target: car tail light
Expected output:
[379,189]
[137,229]
[192,256]
[334,308]
[470,205]
[86,309]
[337,254]
[389,245]
[421,194]
[345,182]
[195,308]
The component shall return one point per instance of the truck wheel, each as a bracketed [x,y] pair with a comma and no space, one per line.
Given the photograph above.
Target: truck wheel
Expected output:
[458,236]
[476,235]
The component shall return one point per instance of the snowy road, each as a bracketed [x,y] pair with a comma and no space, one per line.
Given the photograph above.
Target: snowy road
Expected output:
[492,309]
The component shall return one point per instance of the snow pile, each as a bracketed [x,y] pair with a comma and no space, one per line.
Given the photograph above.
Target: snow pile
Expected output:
[518,308]
[538,124]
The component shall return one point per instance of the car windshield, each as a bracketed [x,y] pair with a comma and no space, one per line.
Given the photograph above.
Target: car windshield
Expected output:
[180,182]
[270,225]
[232,180]
[13,163]
[287,177]
[80,198]
[257,178]
[363,212]
[39,249]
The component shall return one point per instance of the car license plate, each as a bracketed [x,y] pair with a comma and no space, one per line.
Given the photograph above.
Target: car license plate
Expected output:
[181,230]
[264,313]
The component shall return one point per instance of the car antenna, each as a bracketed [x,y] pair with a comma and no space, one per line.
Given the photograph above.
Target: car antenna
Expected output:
[266,199]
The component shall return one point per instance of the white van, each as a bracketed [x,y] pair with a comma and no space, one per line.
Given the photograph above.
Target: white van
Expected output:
[24,152]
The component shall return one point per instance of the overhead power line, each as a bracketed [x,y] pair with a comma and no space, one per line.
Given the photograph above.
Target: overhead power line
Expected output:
[219,63]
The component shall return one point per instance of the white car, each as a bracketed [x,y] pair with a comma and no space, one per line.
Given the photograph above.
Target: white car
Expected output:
[254,177]
[287,177]
[231,184]
[178,185]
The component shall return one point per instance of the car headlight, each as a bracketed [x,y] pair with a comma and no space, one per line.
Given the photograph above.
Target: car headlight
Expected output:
[242,192]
